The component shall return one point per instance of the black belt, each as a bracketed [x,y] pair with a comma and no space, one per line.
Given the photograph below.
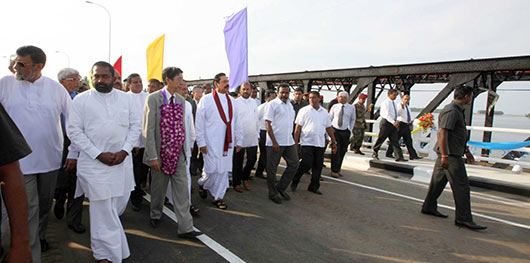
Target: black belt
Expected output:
[340,129]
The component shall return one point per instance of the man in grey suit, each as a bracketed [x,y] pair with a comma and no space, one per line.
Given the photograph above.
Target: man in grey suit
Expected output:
[168,161]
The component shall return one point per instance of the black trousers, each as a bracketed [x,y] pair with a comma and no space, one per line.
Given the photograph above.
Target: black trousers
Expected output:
[240,172]
[140,177]
[197,162]
[262,161]
[64,192]
[457,176]
[404,132]
[312,158]
[387,130]
[290,156]
[343,139]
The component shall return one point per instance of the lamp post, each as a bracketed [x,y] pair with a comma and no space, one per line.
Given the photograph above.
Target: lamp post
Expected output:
[66,54]
[108,13]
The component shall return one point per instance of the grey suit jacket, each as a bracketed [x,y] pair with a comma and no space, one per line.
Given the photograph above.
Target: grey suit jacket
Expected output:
[151,125]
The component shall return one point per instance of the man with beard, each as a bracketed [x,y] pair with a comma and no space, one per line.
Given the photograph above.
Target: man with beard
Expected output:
[105,126]
[279,118]
[218,130]
[66,180]
[35,103]
[248,117]
[134,81]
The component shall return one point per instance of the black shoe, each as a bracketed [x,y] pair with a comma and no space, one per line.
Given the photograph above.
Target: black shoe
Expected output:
[375,156]
[79,228]
[434,213]
[44,246]
[416,158]
[293,186]
[194,211]
[284,194]
[276,199]
[401,160]
[315,191]
[471,225]
[190,235]
[389,156]
[154,222]
[58,210]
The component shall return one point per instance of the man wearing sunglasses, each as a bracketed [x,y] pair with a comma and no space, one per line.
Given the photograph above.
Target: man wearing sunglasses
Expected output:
[35,103]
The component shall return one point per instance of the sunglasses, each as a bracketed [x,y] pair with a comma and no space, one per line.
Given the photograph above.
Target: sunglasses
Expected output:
[21,65]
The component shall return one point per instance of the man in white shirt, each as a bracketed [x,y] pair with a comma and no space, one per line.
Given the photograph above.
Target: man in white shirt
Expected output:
[405,121]
[105,125]
[388,127]
[342,116]
[248,116]
[164,131]
[279,118]
[254,95]
[134,81]
[262,161]
[218,131]
[35,103]
[197,161]
[312,124]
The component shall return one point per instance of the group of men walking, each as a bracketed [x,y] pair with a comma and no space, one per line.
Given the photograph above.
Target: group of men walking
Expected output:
[92,145]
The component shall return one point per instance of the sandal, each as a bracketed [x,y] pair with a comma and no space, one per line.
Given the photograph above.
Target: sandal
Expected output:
[202,193]
[220,204]
[194,211]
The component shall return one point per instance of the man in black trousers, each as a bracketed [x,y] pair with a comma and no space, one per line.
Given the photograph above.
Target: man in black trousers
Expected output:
[262,161]
[405,120]
[451,146]
[388,128]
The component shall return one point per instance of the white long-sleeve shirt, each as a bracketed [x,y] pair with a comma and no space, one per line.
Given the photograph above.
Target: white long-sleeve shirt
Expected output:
[104,122]
[404,113]
[248,116]
[261,116]
[139,99]
[36,110]
[348,117]
[389,110]
[190,128]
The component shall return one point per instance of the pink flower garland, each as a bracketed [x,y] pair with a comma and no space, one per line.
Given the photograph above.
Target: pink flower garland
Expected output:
[172,136]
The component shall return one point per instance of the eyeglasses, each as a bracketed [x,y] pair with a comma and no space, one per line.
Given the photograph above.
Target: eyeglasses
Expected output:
[21,65]
[72,79]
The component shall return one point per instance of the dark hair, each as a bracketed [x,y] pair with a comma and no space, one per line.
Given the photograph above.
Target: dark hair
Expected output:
[392,91]
[233,94]
[284,85]
[268,93]
[315,93]
[217,77]
[299,89]
[238,89]
[130,77]
[170,72]
[156,81]
[36,54]
[104,64]
[462,91]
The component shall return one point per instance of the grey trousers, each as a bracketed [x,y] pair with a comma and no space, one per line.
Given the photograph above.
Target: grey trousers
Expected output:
[290,156]
[40,189]
[457,176]
[179,187]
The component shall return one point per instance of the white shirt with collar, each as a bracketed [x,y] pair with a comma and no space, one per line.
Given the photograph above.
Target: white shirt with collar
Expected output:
[402,113]
[389,110]
[314,123]
[348,118]
[36,110]
[139,99]
[281,115]
[248,116]
[261,116]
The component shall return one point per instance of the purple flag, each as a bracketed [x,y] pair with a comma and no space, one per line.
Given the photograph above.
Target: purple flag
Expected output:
[236,46]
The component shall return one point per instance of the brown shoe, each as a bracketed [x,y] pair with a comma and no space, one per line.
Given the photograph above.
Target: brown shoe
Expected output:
[238,188]
[334,175]
[246,185]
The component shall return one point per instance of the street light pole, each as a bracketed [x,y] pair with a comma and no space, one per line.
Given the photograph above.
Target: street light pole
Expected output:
[108,13]
[66,54]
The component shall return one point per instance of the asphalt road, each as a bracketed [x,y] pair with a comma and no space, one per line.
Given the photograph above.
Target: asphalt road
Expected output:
[363,217]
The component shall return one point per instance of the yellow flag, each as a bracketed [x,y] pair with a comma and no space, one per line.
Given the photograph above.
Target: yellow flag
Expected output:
[155,59]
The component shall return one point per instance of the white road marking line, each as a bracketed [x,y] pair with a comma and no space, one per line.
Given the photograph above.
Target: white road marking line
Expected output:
[421,201]
[222,251]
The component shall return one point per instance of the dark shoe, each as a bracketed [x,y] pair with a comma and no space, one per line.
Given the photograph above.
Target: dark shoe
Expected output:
[154,222]
[401,160]
[202,193]
[315,191]
[276,199]
[357,151]
[190,235]
[293,186]
[434,213]
[194,211]
[416,158]
[335,175]
[471,225]
[389,156]
[58,210]
[79,228]
[44,246]
[260,175]
[246,185]
[220,204]
[238,188]
[284,194]
[340,175]
[375,156]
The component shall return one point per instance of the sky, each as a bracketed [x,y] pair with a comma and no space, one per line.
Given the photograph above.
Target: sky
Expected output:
[284,35]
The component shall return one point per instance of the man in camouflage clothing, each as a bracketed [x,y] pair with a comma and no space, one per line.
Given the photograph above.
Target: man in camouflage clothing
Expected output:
[360,125]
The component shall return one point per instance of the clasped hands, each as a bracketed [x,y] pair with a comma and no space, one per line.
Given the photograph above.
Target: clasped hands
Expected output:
[111,159]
